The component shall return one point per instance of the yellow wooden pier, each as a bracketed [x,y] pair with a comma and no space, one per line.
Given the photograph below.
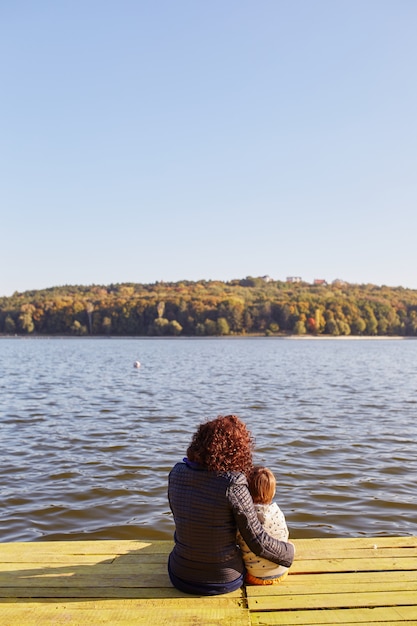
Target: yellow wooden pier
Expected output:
[92,583]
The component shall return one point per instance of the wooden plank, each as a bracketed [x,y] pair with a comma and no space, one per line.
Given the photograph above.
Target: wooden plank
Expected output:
[128,561]
[90,584]
[107,613]
[36,551]
[385,616]
[357,553]
[337,578]
[52,587]
[343,581]
[32,561]
[332,600]
[39,593]
[33,570]
[333,581]
[353,565]
[74,559]
[349,543]
[339,583]
[312,548]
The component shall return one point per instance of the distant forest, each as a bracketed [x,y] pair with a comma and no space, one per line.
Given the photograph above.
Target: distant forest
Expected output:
[252,306]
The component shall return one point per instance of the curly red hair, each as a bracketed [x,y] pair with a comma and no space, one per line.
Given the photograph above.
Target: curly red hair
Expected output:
[222,445]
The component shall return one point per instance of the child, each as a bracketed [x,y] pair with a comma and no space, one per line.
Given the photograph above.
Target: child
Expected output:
[262,488]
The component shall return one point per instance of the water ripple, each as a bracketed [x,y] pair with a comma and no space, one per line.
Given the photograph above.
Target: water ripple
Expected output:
[88,441]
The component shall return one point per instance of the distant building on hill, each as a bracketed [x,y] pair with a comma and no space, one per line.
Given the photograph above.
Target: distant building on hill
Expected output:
[294,279]
[320,281]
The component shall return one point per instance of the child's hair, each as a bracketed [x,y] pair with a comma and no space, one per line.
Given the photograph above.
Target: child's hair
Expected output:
[262,485]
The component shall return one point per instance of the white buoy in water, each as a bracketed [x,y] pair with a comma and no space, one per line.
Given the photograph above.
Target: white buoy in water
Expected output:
[136,364]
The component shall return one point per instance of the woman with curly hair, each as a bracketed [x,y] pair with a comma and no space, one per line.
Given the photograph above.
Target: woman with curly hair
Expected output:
[210,500]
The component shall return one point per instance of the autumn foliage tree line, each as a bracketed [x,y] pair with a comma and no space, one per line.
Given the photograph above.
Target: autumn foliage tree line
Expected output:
[210,308]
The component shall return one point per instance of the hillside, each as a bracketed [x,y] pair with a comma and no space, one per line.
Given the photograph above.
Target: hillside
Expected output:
[204,308]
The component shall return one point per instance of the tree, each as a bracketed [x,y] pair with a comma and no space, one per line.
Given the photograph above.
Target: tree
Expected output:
[233,312]
[247,321]
[78,329]
[174,328]
[370,320]
[89,308]
[331,324]
[106,325]
[358,325]
[273,328]
[223,327]
[412,324]
[320,322]
[9,325]
[251,305]
[311,325]
[160,326]
[210,327]
[344,328]
[25,320]
[300,326]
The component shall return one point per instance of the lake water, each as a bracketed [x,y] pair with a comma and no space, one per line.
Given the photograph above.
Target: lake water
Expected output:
[87,440]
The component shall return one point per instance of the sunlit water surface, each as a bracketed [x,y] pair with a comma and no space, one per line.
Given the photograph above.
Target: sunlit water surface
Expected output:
[87,440]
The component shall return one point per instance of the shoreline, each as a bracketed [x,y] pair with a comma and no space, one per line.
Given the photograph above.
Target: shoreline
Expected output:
[211,337]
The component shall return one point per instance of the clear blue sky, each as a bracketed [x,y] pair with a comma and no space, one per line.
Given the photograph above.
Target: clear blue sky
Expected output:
[147,140]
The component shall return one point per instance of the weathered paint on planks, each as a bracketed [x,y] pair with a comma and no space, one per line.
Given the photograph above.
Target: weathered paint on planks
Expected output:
[333,581]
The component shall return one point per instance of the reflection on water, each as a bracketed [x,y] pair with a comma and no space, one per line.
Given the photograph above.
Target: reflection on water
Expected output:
[88,440]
